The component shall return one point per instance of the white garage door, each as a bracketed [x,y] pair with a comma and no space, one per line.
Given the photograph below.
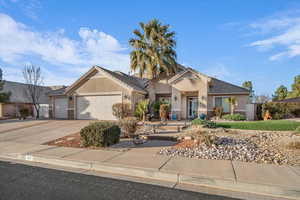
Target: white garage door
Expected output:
[96,107]
[61,108]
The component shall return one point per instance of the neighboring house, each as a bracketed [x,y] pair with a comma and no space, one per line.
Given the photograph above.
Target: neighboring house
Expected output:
[289,100]
[19,99]
[189,92]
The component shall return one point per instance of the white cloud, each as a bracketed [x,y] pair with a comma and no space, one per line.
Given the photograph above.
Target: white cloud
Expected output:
[219,71]
[284,35]
[19,42]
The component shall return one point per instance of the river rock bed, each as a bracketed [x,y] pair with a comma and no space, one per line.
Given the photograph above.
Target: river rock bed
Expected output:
[255,147]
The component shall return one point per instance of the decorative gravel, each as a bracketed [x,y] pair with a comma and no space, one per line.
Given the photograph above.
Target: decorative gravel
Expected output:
[259,148]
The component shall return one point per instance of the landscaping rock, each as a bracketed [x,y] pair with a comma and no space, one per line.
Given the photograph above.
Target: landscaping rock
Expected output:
[260,147]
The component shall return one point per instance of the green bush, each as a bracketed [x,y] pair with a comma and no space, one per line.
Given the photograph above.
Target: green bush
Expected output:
[204,123]
[121,110]
[297,130]
[196,122]
[210,124]
[155,107]
[281,110]
[24,113]
[234,117]
[142,109]
[128,125]
[100,134]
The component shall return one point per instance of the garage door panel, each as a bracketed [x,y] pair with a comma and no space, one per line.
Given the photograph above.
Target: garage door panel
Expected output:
[61,108]
[96,107]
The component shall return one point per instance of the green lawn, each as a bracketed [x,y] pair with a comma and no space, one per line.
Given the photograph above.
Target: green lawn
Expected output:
[271,125]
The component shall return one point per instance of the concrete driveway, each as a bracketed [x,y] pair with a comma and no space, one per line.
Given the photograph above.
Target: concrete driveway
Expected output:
[38,131]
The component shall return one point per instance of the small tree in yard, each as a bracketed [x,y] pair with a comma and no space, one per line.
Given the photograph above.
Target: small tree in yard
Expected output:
[233,103]
[4,97]
[33,80]
[142,109]
[163,111]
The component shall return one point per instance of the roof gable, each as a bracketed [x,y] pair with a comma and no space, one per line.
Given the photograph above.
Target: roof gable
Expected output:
[181,74]
[125,81]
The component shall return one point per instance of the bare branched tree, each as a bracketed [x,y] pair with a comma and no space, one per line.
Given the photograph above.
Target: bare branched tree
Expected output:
[34,81]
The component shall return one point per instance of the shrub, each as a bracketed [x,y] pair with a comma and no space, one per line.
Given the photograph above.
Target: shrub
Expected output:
[128,125]
[234,117]
[121,110]
[210,124]
[163,111]
[197,122]
[297,130]
[281,110]
[24,113]
[142,109]
[218,111]
[204,123]
[155,107]
[100,134]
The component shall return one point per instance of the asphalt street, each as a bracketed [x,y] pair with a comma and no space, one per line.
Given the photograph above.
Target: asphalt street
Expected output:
[18,181]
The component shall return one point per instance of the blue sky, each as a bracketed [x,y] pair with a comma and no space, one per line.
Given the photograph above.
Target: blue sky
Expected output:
[232,40]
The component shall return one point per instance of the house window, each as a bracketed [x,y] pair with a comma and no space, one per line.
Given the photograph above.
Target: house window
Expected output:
[222,102]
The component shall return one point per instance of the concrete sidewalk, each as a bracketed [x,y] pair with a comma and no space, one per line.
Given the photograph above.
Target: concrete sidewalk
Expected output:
[278,181]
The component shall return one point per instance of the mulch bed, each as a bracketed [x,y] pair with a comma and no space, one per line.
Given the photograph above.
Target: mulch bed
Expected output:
[72,140]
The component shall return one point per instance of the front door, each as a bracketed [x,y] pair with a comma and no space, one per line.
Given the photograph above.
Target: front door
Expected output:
[192,107]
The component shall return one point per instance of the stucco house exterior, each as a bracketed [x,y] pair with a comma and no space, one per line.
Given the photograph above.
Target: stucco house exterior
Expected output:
[189,92]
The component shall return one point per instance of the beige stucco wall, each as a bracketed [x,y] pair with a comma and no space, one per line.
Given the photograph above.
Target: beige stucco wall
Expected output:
[242,101]
[98,85]
[191,85]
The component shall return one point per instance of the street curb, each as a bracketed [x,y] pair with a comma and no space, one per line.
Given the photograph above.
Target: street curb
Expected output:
[275,191]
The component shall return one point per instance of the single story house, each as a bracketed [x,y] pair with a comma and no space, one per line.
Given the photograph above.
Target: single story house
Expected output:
[189,92]
[19,98]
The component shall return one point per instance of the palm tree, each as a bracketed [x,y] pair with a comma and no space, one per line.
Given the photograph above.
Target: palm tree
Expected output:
[153,52]
[233,102]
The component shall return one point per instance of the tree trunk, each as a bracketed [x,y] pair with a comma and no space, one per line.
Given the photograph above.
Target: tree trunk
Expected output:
[37,109]
[232,109]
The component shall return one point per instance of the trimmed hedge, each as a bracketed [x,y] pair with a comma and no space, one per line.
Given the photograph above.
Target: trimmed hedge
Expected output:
[281,110]
[100,134]
[234,117]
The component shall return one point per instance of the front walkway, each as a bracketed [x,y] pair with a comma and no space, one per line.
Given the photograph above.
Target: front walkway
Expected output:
[279,181]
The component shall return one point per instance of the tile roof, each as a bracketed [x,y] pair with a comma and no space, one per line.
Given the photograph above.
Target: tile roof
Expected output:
[19,92]
[57,91]
[136,83]
[221,87]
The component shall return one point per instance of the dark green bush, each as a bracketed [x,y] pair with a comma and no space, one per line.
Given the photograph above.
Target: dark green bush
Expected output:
[204,123]
[297,130]
[281,110]
[234,117]
[24,113]
[196,122]
[100,134]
